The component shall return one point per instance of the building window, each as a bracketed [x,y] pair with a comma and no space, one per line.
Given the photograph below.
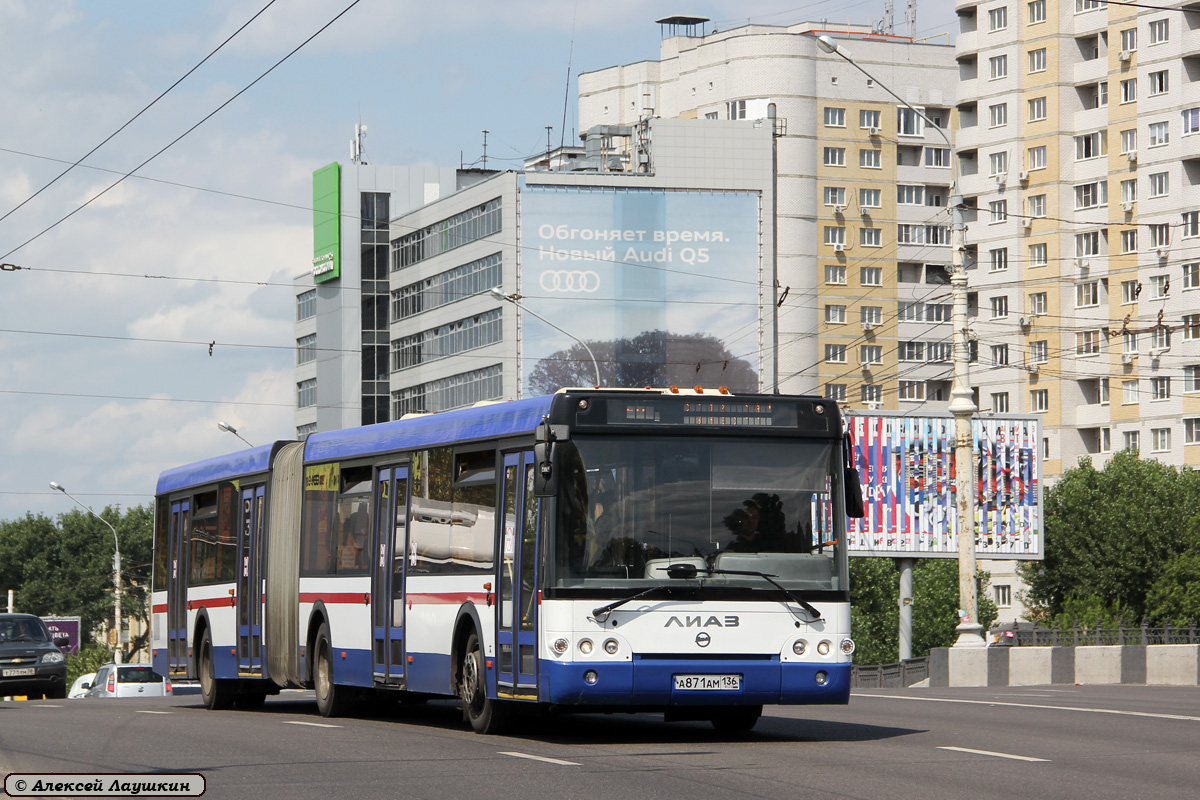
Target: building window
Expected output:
[456,391]
[999,355]
[871,314]
[306,304]
[835,353]
[1129,140]
[998,67]
[1191,430]
[304,431]
[870,237]
[998,19]
[1090,145]
[937,157]
[998,162]
[306,393]
[999,259]
[1039,352]
[735,109]
[1160,31]
[871,394]
[868,118]
[1160,388]
[1132,441]
[445,235]
[998,115]
[909,195]
[1129,241]
[870,354]
[1160,338]
[1037,12]
[1190,226]
[871,276]
[911,351]
[1037,109]
[835,274]
[1087,244]
[997,211]
[1039,400]
[835,391]
[447,340]
[870,198]
[1037,304]
[1038,255]
[1129,392]
[306,349]
[1191,121]
[1191,275]
[1129,90]
[1160,440]
[1037,60]
[1037,157]
[1129,342]
[999,307]
[1087,294]
[835,156]
[1091,195]
[909,122]
[1000,403]
[1160,235]
[1160,133]
[1105,440]
[912,390]
[446,287]
[835,196]
[1087,343]
[1191,327]
[1036,205]
[1088,5]
[835,234]
[871,159]
[1129,40]
[1158,83]
[835,314]
[835,117]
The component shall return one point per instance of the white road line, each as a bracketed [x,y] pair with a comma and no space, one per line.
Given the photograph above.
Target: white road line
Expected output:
[310,724]
[143,711]
[1035,705]
[990,753]
[43,705]
[542,758]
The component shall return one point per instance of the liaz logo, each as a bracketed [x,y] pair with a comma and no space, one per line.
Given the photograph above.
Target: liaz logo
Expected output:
[729,621]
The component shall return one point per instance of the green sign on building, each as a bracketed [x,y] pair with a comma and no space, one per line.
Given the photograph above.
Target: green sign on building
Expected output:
[327,223]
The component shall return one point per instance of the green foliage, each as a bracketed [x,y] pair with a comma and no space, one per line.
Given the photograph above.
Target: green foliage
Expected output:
[1112,535]
[1176,594]
[65,568]
[90,658]
[875,611]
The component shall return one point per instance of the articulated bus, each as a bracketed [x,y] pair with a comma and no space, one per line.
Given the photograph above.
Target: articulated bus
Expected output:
[596,549]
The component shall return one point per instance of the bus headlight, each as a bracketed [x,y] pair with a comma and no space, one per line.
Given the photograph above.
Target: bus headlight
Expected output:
[590,677]
[611,647]
[560,645]
[585,647]
[824,647]
[847,646]
[821,678]
[799,647]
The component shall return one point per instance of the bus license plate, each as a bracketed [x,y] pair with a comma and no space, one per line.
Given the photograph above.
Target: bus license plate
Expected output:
[17,673]
[709,683]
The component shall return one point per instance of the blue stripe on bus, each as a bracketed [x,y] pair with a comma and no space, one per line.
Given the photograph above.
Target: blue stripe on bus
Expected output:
[466,424]
[220,468]
[652,683]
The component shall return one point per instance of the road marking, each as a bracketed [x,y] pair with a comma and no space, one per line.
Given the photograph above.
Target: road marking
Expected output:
[143,711]
[310,724]
[1035,705]
[990,753]
[543,758]
[44,705]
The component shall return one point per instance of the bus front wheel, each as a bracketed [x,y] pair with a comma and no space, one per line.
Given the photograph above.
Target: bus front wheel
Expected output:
[217,694]
[332,700]
[485,714]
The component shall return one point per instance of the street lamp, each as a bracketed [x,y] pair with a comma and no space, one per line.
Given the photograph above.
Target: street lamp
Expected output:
[962,404]
[499,294]
[116,569]
[225,426]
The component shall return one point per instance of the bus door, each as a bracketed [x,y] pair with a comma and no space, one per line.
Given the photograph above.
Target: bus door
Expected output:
[249,588]
[177,639]
[387,574]
[516,607]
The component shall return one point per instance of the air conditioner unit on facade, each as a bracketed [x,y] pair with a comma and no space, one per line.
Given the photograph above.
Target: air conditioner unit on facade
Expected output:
[1024,176]
[1127,206]
[1025,322]
[1027,222]
[1124,56]
[1033,368]
[1131,155]
[1001,178]
[1081,263]
[873,131]
[838,209]
[1161,251]
[864,211]
[839,247]
[866,366]
[868,327]
[1127,358]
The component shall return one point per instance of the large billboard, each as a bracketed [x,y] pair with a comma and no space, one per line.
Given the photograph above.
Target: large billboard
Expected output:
[327,223]
[908,471]
[663,285]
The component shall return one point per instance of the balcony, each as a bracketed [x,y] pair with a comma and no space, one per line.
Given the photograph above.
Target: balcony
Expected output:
[1091,71]
[1092,415]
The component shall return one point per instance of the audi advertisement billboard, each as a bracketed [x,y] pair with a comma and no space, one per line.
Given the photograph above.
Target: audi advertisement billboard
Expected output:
[661,284]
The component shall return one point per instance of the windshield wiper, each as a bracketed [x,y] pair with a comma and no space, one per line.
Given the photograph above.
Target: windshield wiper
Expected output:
[771,580]
[601,614]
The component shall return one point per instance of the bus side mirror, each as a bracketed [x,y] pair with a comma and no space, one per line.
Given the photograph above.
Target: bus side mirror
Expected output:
[546,458]
[854,495]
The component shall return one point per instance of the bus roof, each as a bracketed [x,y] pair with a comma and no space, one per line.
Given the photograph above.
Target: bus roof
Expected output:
[465,424]
[219,468]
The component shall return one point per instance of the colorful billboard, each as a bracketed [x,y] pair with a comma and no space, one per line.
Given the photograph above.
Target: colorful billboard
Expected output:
[65,626]
[908,471]
[327,223]
[662,285]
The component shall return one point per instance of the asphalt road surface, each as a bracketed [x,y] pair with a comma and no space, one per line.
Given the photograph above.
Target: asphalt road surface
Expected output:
[1041,742]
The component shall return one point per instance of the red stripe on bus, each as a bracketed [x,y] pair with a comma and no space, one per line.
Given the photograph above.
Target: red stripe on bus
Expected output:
[212,602]
[358,598]
[161,608]
[445,598]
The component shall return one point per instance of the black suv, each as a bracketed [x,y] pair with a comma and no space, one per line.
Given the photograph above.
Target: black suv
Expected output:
[31,662]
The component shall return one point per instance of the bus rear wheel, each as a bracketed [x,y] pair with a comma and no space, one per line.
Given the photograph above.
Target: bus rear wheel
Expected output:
[217,694]
[736,719]
[332,700]
[486,715]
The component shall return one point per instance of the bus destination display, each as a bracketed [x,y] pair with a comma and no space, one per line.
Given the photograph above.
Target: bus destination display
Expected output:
[708,413]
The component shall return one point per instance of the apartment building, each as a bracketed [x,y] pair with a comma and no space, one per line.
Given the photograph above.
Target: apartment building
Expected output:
[1078,137]
[862,221]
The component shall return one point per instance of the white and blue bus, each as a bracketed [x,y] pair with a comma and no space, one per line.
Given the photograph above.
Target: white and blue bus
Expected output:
[596,549]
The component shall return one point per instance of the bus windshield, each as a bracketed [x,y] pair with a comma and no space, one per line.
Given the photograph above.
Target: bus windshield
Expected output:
[633,506]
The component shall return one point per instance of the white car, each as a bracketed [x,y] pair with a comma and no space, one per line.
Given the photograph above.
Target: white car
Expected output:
[128,680]
[81,685]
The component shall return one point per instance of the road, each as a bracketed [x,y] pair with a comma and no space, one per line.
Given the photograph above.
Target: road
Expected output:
[1043,742]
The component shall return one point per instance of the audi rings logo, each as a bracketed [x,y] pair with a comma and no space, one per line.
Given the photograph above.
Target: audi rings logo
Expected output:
[702,639]
[566,281]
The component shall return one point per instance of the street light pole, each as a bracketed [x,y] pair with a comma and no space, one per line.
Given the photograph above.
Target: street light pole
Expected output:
[962,403]
[499,294]
[117,656]
[225,426]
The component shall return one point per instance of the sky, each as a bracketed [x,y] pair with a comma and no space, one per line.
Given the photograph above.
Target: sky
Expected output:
[107,310]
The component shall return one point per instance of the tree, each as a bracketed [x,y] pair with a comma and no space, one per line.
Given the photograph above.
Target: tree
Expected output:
[1109,537]
[652,358]
[66,568]
[1176,594]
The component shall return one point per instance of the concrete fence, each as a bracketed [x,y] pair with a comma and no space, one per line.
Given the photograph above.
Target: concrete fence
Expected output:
[1154,665]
